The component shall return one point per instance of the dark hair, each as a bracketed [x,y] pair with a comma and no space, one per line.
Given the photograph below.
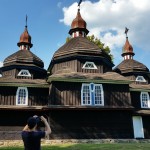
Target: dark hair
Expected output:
[31,122]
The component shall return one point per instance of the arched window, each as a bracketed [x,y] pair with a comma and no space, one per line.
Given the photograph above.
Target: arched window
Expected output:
[89,65]
[22,96]
[92,94]
[25,73]
[145,102]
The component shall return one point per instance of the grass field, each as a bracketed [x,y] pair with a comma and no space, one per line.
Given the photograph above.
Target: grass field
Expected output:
[116,146]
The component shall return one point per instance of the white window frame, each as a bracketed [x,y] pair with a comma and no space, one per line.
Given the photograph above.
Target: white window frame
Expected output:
[145,100]
[90,63]
[21,73]
[143,79]
[100,95]
[82,93]
[26,96]
[93,93]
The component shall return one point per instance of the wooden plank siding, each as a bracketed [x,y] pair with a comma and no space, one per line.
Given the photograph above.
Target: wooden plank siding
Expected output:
[86,124]
[136,102]
[36,96]
[65,93]
[76,66]
[12,122]
[66,64]
[71,124]
[146,126]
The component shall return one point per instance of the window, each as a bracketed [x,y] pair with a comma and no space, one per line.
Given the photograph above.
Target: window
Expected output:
[86,94]
[140,79]
[98,95]
[89,65]
[92,94]
[0,75]
[24,73]
[22,96]
[145,102]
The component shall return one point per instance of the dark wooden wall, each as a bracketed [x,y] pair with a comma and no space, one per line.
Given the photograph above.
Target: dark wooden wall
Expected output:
[114,96]
[35,74]
[13,121]
[76,65]
[136,102]
[146,126]
[85,124]
[64,93]
[71,124]
[36,96]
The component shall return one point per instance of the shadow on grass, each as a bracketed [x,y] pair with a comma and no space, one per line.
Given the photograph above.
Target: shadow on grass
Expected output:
[119,146]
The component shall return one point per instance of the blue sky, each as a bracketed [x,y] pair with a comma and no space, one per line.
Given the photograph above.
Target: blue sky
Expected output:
[49,22]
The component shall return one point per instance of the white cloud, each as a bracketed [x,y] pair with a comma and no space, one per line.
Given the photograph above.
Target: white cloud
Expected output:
[1,64]
[106,17]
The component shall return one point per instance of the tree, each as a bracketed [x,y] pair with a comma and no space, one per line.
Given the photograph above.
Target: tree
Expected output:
[101,45]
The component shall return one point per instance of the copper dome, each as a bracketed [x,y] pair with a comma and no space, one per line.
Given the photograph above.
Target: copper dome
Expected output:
[78,22]
[25,38]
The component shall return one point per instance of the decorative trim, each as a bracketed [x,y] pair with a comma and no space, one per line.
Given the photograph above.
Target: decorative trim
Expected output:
[24,73]
[89,65]
[140,79]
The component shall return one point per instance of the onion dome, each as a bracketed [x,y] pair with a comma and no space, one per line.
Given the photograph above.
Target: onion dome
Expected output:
[128,65]
[127,50]
[78,26]
[25,40]
[24,56]
[78,22]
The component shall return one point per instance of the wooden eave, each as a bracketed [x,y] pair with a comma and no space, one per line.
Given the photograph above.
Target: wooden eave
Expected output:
[87,80]
[109,77]
[142,112]
[22,108]
[65,107]
[140,87]
[13,82]
[24,85]
[98,108]
[139,90]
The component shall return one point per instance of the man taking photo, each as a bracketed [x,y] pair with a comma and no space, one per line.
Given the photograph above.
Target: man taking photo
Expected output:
[31,136]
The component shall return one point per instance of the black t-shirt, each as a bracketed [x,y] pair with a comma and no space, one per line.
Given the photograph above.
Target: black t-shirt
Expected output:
[32,140]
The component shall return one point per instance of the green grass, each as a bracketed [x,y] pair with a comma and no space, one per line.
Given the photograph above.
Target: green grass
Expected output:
[116,146]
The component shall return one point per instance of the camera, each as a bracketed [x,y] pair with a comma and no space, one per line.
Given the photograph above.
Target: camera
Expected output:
[38,119]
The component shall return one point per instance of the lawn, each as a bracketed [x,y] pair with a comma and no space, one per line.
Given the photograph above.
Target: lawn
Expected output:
[116,146]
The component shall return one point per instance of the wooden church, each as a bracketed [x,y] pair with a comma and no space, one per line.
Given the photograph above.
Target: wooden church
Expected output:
[80,93]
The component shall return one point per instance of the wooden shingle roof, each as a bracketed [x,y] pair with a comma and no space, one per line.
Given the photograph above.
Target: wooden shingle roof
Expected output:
[23,57]
[10,81]
[109,77]
[79,45]
[131,65]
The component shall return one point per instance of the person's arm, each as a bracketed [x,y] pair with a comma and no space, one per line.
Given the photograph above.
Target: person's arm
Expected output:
[47,126]
[26,128]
